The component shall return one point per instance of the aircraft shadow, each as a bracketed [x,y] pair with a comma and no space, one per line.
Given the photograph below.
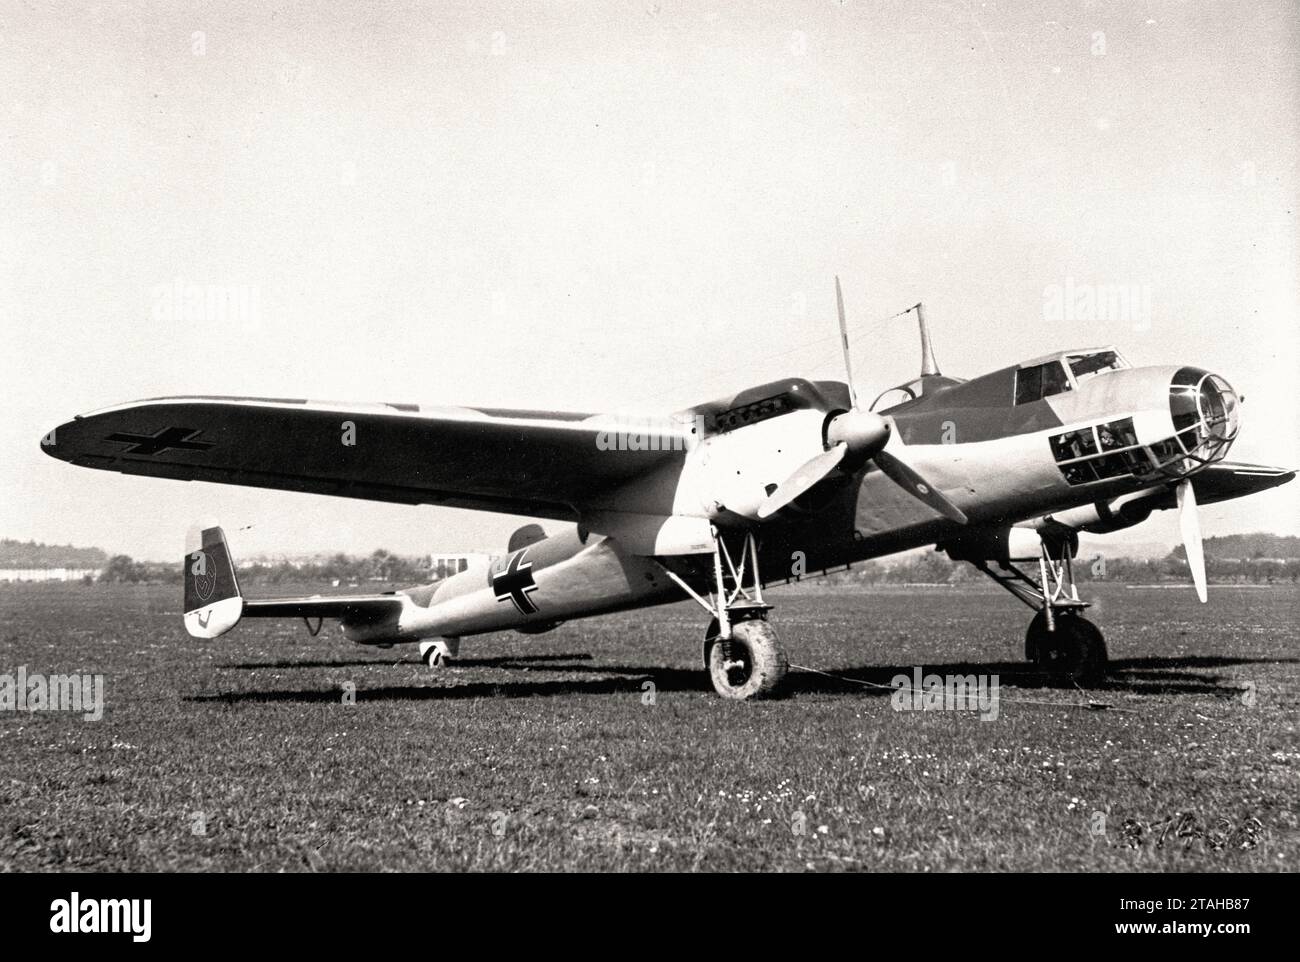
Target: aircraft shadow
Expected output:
[504,661]
[1141,676]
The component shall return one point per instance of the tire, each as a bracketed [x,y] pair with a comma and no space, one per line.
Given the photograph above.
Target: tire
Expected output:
[1075,652]
[751,664]
[1036,636]
[435,654]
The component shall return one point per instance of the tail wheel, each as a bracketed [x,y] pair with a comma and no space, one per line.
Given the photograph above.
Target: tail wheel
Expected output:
[435,654]
[750,664]
[1075,651]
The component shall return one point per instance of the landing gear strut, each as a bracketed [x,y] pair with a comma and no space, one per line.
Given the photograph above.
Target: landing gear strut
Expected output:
[742,654]
[1060,641]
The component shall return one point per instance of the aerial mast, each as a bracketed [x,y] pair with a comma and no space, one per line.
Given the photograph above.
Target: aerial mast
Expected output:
[928,366]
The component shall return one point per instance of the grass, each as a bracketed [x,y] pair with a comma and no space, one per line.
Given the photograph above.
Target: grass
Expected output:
[542,753]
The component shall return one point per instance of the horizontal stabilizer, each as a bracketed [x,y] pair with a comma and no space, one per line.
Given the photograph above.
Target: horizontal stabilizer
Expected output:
[214,603]
[1230,479]
[356,610]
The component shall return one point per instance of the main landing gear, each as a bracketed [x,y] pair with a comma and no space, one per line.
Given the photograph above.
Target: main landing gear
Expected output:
[742,654]
[1060,641]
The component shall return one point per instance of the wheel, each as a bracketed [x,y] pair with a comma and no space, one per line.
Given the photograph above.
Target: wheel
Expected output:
[435,654]
[751,664]
[1036,636]
[1075,651]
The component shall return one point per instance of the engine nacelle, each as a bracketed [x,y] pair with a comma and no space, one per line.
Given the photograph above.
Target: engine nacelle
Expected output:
[1014,543]
[1022,542]
[1103,517]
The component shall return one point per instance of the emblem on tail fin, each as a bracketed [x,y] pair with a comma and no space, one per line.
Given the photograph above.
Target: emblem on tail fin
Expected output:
[205,581]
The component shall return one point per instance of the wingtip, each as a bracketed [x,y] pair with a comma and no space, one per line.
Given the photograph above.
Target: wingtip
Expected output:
[50,441]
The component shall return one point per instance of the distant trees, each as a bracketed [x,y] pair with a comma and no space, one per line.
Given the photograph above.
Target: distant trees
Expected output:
[1262,559]
[1251,546]
[120,569]
[384,564]
[936,568]
[380,566]
[32,554]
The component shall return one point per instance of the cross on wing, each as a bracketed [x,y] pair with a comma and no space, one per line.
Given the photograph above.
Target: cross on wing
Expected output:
[179,439]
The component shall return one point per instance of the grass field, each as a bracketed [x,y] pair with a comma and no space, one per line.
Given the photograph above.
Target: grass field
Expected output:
[543,753]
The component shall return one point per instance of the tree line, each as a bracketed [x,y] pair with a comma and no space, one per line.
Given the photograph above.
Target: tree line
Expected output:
[32,554]
[937,568]
[932,568]
[380,565]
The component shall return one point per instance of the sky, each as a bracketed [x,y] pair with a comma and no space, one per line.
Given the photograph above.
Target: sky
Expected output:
[618,206]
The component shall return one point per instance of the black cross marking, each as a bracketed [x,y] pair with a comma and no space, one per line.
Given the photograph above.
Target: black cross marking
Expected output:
[178,438]
[515,582]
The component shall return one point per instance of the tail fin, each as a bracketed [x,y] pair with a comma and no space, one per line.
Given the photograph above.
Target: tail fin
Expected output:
[213,603]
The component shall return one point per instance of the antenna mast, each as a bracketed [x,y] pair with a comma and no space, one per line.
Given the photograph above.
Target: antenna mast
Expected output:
[928,366]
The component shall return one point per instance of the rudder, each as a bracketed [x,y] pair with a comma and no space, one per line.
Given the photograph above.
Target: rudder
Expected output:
[213,604]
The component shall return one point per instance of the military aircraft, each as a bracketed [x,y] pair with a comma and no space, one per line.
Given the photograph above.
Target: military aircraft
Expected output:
[719,501]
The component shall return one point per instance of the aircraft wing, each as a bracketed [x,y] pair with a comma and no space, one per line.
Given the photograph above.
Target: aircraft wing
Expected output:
[520,462]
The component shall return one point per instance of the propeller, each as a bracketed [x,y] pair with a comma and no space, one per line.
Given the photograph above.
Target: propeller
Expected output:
[903,476]
[856,436]
[844,338]
[1189,523]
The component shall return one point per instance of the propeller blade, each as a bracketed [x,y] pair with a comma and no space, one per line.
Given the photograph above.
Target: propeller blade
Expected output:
[1189,522]
[906,478]
[844,336]
[809,474]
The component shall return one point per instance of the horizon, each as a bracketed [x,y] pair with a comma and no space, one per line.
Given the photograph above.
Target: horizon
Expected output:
[1143,549]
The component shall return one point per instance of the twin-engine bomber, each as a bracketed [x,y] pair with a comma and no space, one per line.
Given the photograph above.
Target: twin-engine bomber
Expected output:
[719,501]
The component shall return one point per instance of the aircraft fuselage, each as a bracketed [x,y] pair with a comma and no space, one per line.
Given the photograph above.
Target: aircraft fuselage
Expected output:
[999,449]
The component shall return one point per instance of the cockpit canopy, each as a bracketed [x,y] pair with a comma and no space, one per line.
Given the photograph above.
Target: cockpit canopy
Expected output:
[1058,373]
[926,385]
[1034,380]
[1086,364]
